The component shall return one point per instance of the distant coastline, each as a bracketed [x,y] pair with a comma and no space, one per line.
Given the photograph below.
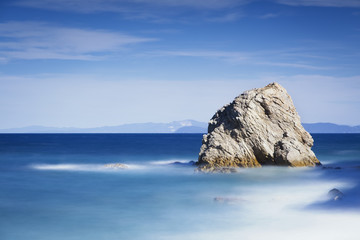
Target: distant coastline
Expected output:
[185,126]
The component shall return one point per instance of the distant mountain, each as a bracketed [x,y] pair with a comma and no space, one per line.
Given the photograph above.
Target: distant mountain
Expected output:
[185,126]
[191,129]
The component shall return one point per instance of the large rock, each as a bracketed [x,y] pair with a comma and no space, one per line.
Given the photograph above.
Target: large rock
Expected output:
[260,127]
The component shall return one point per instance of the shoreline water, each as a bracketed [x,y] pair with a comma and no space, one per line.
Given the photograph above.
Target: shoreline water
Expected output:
[165,200]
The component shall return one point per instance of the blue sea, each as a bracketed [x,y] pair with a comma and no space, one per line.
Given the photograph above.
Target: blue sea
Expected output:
[56,187]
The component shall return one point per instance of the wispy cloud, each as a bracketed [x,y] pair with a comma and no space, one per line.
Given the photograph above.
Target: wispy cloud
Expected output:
[36,40]
[289,58]
[156,11]
[210,4]
[293,65]
[321,3]
[229,17]
[73,5]
[89,6]
[146,6]
[233,56]
[269,15]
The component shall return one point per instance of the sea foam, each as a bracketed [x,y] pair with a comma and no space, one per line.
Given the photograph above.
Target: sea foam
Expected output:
[81,167]
[169,162]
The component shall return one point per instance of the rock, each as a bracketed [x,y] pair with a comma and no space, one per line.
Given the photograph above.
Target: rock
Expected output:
[228,199]
[260,127]
[335,194]
[336,168]
[115,165]
[217,170]
[191,163]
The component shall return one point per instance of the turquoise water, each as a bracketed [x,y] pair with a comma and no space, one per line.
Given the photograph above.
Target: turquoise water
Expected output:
[55,186]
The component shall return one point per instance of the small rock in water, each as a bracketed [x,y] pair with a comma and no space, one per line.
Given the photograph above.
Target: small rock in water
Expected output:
[337,168]
[116,165]
[228,199]
[191,163]
[335,194]
[217,170]
[226,170]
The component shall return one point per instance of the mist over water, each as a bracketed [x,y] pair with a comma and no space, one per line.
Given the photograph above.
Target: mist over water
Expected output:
[57,187]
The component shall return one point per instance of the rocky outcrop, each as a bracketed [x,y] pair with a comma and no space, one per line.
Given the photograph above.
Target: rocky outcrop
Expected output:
[260,127]
[116,165]
[335,194]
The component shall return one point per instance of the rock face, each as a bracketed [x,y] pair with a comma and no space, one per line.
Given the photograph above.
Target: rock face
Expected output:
[335,194]
[115,165]
[260,127]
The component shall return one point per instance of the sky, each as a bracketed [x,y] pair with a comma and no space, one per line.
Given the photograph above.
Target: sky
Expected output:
[91,63]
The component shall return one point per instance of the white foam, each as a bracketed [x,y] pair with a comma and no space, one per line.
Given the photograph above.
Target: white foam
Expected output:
[81,167]
[167,162]
[277,212]
[149,166]
[261,211]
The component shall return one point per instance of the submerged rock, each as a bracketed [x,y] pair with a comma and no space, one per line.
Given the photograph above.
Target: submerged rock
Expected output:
[191,163]
[115,165]
[260,127]
[217,170]
[335,194]
[228,199]
[327,167]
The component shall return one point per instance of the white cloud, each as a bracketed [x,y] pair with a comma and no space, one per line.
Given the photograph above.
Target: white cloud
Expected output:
[292,65]
[36,40]
[321,3]
[156,11]
[269,15]
[197,4]
[229,17]
[279,58]
[239,56]
[74,5]
[142,6]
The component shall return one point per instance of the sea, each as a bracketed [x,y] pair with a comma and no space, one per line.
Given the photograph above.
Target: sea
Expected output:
[58,187]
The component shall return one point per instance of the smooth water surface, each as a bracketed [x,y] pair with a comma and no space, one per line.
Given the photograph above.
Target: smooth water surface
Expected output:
[56,186]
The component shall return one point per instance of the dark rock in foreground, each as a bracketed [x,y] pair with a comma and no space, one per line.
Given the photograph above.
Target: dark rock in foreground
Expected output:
[177,163]
[335,194]
[116,165]
[260,127]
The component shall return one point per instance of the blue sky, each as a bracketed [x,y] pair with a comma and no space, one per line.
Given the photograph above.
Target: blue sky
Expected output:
[77,63]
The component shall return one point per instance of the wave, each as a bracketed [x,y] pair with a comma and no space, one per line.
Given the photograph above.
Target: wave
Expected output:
[83,167]
[278,210]
[108,166]
[169,162]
